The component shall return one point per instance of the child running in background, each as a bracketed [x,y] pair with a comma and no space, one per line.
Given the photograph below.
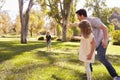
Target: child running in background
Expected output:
[48,41]
[87,46]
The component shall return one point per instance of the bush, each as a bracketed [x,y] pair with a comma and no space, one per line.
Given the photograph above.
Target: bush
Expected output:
[59,39]
[116,36]
[41,38]
[111,28]
[53,37]
[116,43]
[75,40]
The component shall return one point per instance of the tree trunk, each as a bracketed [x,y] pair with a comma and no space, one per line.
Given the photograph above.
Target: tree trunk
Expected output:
[65,15]
[31,31]
[64,30]
[23,32]
[24,18]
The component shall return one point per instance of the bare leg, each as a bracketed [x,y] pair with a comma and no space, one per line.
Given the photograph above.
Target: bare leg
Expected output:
[88,70]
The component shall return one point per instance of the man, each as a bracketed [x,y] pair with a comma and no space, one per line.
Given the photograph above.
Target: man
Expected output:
[101,40]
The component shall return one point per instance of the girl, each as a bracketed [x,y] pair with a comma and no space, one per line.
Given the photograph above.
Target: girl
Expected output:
[87,46]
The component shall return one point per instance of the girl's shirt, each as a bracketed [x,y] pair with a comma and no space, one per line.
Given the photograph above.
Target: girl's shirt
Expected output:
[85,48]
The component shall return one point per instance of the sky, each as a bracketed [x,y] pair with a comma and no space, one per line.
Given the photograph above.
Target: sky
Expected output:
[11,6]
[109,3]
[13,9]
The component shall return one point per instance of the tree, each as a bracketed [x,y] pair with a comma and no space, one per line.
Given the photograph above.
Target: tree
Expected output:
[60,11]
[73,19]
[33,24]
[17,27]
[36,22]
[24,19]
[99,9]
[5,22]
[65,11]
[115,18]
[1,3]
[95,5]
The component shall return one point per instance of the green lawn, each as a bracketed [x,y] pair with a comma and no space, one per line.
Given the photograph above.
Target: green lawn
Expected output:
[32,62]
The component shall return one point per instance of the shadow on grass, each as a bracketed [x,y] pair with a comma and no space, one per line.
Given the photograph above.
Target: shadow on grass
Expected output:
[47,55]
[56,77]
[52,58]
[42,66]
[9,49]
[114,59]
[61,44]
[73,58]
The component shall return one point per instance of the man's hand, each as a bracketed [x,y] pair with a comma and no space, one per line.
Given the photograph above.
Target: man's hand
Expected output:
[104,43]
[73,24]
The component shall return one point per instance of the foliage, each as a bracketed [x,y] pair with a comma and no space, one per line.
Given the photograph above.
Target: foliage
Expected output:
[76,31]
[116,9]
[116,36]
[1,3]
[43,31]
[115,18]
[36,22]
[59,31]
[99,9]
[110,28]
[53,37]
[72,17]
[52,26]
[104,16]
[17,25]
[74,40]
[5,23]
[70,31]
[58,39]
[95,5]
[61,10]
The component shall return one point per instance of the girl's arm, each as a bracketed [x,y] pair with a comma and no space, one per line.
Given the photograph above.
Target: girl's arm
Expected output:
[89,56]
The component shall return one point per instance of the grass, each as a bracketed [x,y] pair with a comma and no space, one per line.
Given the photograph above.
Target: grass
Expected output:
[32,62]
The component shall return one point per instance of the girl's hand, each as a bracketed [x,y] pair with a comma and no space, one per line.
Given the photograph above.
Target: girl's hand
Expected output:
[89,56]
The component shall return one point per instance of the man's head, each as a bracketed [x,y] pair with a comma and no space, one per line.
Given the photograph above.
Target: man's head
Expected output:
[81,14]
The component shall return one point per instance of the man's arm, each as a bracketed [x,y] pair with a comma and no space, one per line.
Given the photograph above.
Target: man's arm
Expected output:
[105,36]
[74,24]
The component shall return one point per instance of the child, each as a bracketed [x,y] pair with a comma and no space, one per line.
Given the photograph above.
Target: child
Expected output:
[48,41]
[87,46]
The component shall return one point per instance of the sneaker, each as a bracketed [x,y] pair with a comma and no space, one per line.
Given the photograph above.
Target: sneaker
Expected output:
[116,78]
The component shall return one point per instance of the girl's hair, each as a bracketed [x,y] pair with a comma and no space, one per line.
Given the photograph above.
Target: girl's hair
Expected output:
[85,28]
